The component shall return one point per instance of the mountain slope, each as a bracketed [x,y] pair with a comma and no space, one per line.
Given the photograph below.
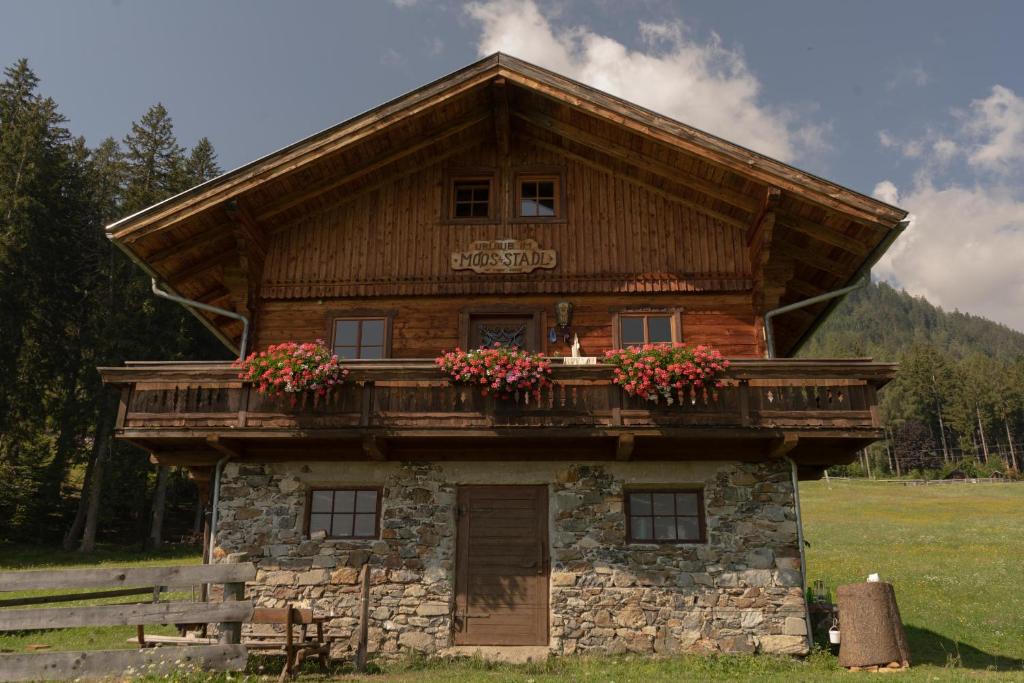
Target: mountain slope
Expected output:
[881,322]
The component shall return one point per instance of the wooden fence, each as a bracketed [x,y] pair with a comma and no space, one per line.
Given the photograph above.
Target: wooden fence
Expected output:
[227,655]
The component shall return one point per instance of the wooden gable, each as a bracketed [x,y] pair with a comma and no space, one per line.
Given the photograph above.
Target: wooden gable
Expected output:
[652,206]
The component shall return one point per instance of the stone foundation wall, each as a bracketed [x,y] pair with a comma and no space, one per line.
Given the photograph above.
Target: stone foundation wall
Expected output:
[740,591]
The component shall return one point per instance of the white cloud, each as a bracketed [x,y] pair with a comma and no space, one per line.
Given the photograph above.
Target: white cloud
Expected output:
[700,82]
[964,247]
[915,76]
[998,123]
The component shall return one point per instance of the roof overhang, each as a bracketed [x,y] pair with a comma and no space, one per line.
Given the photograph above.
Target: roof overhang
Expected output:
[223,221]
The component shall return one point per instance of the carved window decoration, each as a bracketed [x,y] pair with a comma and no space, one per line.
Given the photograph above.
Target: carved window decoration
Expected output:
[345,513]
[506,335]
[539,197]
[507,330]
[636,330]
[360,338]
[665,516]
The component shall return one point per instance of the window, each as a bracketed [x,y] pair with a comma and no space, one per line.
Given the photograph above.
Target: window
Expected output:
[665,516]
[345,513]
[470,198]
[360,337]
[645,329]
[538,197]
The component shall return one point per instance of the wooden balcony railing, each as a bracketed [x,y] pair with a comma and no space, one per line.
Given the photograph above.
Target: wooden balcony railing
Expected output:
[397,395]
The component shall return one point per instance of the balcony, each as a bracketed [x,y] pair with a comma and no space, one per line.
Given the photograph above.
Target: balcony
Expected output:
[188,413]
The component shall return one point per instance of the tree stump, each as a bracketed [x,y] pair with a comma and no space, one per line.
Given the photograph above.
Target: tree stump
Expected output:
[872,632]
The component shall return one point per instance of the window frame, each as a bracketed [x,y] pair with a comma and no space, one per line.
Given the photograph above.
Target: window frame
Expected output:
[538,173]
[675,316]
[387,317]
[342,487]
[701,514]
[488,175]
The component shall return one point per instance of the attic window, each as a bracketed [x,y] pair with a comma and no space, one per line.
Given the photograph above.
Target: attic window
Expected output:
[471,198]
[539,196]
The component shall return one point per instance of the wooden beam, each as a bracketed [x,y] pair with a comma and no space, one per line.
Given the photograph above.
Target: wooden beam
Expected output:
[215,259]
[224,446]
[671,196]
[448,152]
[783,446]
[825,234]
[502,136]
[282,204]
[768,206]
[247,230]
[816,260]
[708,147]
[642,161]
[114,663]
[625,446]
[299,155]
[375,448]
[197,241]
[803,289]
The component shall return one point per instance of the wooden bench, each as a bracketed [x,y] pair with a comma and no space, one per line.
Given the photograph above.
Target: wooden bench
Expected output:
[295,647]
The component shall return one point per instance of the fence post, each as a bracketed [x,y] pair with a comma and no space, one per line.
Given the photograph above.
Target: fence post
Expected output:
[230,633]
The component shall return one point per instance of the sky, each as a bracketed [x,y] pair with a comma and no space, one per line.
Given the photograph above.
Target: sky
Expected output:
[919,103]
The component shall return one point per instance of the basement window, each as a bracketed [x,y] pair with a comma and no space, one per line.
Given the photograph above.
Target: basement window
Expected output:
[345,513]
[665,516]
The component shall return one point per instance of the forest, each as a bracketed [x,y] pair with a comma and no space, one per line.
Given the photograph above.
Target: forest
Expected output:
[70,301]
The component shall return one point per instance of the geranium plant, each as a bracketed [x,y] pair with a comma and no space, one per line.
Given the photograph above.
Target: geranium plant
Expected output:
[502,371]
[667,371]
[294,370]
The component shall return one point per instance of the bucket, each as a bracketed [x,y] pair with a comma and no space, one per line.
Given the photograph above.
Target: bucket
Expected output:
[833,635]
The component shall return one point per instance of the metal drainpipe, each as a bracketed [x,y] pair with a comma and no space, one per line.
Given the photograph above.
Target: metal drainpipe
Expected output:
[189,303]
[769,334]
[861,278]
[800,543]
[217,471]
[770,341]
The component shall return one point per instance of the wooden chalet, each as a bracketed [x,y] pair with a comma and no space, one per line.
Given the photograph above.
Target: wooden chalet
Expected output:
[508,203]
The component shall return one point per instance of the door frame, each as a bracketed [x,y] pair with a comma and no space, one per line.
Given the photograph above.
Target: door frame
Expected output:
[539,322]
[462,559]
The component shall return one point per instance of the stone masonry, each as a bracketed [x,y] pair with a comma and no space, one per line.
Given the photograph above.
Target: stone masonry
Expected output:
[739,592]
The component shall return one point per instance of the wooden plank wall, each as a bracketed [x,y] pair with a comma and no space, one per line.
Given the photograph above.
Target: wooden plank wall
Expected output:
[617,237]
[423,327]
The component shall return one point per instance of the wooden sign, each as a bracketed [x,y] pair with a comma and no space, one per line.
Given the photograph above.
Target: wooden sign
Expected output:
[504,256]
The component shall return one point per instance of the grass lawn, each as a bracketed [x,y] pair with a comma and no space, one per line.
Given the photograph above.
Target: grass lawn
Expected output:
[954,554]
[106,638]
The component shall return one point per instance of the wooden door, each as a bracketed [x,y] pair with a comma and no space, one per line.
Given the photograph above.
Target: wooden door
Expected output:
[501,576]
[507,330]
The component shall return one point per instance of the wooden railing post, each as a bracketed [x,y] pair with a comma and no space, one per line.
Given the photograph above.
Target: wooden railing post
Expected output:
[231,631]
[744,400]
[364,618]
